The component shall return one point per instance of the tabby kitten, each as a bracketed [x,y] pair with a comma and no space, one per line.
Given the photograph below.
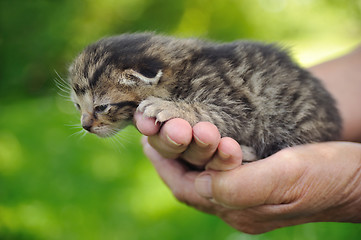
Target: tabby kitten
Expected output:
[252,92]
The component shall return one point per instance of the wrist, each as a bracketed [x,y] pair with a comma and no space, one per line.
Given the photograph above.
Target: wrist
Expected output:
[347,205]
[352,198]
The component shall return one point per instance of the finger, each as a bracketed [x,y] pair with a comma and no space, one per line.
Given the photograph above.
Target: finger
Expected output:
[228,156]
[180,181]
[263,182]
[173,138]
[205,142]
[145,125]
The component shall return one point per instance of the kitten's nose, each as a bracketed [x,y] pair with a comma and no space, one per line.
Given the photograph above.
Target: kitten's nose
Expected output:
[87,127]
[87,122]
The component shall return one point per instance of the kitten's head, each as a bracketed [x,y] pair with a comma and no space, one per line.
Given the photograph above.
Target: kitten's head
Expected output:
[110,78]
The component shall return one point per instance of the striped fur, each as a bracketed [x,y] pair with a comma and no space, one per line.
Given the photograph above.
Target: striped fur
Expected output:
[252,92]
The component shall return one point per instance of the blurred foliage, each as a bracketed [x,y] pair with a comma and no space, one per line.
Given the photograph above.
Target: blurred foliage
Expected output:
[39,36]
[57,184]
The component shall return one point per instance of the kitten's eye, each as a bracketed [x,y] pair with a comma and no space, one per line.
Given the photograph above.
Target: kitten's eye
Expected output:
[77,106]
[101,108]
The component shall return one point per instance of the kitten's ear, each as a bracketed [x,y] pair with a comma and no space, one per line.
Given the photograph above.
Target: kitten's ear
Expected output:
[131,77]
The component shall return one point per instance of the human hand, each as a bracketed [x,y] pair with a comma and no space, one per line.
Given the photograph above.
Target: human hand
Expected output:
[201,146]
[317,182]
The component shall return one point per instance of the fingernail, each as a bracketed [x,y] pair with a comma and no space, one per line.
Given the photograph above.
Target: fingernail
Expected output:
[223,155]
[203,186]
[200,143]
[173,142]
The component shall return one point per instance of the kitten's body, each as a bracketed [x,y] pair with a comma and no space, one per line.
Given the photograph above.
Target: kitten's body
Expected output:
[252,92]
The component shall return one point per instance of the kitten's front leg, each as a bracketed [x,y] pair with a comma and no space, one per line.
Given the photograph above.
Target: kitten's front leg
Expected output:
[163,110]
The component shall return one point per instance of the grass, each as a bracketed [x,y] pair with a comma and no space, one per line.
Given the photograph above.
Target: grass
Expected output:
[55,184]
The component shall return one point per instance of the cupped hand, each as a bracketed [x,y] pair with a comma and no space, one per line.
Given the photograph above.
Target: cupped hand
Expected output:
[309,183]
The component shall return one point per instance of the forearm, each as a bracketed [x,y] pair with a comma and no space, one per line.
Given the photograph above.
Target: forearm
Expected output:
[342,77]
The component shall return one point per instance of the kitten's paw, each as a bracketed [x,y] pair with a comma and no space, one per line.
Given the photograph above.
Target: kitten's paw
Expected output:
[160,109]
[249,154]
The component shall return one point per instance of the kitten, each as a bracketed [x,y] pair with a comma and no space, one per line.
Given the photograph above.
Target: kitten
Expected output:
[252,92]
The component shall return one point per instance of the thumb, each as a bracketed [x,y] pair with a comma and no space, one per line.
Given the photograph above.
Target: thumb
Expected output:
[263,182]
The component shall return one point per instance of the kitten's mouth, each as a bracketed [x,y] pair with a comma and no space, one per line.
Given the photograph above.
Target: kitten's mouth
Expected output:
[105,130]
[100,127]
[101,131]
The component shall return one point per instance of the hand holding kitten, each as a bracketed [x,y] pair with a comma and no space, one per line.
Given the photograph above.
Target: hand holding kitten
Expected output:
[255,95]
[307,183]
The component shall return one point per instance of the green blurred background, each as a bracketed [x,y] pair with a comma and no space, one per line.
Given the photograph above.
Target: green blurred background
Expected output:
[57,184]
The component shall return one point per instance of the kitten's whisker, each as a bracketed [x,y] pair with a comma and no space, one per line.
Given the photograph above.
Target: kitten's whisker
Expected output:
[123,138]
[117,142]
[62,80]
[65,93]
[76,127]
[73,125]
[114,134]
[62,86]
[84,133]
[126,135]
[67,97]
[77,133]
